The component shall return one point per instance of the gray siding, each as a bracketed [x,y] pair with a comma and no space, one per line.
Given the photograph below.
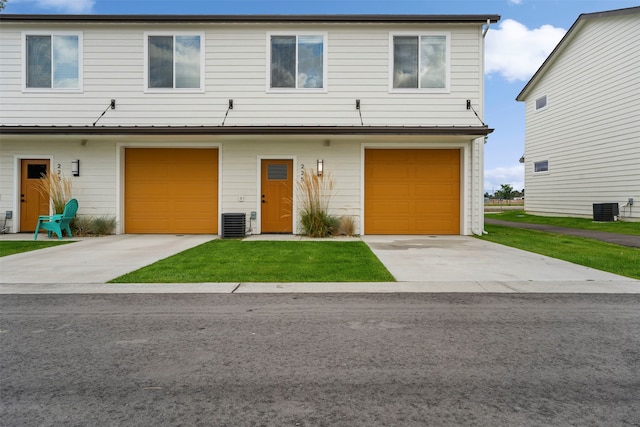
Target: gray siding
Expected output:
[589,131]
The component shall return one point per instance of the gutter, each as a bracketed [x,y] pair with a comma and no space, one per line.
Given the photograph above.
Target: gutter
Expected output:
[339,18]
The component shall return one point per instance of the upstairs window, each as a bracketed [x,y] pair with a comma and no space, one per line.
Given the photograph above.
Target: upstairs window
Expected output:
[174,62]
[541,103]
[53,61]
[297,62]
[420,62]
[541,166]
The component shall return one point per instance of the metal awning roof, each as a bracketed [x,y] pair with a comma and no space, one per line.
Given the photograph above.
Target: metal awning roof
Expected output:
[245,130]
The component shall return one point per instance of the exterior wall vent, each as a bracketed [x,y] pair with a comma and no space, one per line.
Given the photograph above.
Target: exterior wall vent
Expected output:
[605,212]
[233,225]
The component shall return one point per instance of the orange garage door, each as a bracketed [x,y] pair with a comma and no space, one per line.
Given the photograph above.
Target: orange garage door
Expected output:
[171,190]
[412,191]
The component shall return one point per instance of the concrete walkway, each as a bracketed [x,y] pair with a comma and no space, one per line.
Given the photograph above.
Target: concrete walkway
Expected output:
[616,238]
[419,263]
[91,260]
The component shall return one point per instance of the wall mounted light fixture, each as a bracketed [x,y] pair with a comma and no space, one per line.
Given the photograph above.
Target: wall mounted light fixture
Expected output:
[320,167]
[75,167]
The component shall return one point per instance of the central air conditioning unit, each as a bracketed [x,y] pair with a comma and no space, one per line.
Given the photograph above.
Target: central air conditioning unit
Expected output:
[233,225]
[605,212]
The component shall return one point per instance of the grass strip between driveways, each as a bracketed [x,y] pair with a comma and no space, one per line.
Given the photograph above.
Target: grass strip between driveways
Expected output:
[620,227]
[10,247]
[617,259]
[266,261]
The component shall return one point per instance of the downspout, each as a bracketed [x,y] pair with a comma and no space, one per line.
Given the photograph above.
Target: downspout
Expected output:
[476,148]
[484,33]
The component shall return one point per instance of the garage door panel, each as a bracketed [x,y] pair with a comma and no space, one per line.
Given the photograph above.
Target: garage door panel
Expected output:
[171,190]
[149,191]
[435,226]
[390,191]
[440,173]
[412,191]
[149,207]
[385,208]
[434,190]
[402,226]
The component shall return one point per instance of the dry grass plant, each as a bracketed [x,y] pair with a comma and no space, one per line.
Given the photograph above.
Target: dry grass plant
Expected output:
[315,194]
[347,226]
[57,189]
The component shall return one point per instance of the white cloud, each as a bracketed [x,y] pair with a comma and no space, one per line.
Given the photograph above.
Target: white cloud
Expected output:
[515,1]
[512,175]
[516,52]
[63,6]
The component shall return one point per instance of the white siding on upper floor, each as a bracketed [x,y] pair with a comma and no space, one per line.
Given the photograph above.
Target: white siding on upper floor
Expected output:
[590,130]
[235,68]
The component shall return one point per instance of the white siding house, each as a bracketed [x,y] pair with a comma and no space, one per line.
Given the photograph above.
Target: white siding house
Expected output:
[177,120]
[582,144]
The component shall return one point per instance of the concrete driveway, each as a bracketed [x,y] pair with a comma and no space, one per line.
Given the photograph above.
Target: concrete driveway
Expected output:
[419,264]
[449,260]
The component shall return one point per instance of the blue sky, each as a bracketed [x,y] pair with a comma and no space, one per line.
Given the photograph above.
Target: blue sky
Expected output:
[515,47]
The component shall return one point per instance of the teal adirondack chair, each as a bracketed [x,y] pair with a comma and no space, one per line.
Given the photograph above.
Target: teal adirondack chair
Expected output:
[59,222]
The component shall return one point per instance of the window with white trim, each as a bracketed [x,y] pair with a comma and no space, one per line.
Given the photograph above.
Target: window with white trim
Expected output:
[541,166]
[174,61]
[52,61]
[541,103]
[419,62]
[297,61]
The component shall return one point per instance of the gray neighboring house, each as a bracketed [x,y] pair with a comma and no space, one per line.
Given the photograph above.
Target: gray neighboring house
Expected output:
[582,143]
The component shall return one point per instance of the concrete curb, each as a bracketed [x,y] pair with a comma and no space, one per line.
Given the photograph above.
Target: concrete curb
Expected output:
[586,287]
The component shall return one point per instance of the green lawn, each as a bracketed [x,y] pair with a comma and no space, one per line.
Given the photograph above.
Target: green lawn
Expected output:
[616,259]
[266,261]
[10,247]
[581,223]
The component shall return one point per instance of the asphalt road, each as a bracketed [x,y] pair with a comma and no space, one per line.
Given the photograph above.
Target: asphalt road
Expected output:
[320,360]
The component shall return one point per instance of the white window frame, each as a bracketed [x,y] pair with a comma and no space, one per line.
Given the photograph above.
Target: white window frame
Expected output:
[546,103]
[173,34]
[535,172]
[325,49]
[78,34]
[447,88]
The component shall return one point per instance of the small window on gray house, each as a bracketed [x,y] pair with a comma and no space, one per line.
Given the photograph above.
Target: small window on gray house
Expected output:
[542,166]
[541,102]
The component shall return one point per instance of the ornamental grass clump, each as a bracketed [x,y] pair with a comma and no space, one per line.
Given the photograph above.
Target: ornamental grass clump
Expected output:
[315,194]
[103,226]
[57,189]
[84,226]
[347,226]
